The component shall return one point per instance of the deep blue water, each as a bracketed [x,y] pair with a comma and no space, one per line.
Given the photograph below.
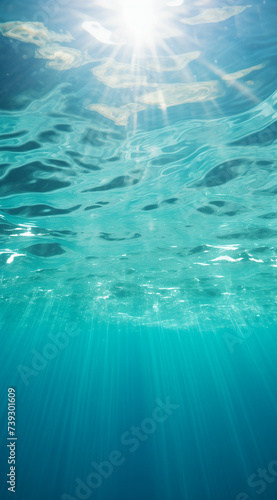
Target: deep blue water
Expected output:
[138,249]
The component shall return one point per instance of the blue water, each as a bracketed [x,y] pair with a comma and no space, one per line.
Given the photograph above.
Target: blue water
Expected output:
[139,249]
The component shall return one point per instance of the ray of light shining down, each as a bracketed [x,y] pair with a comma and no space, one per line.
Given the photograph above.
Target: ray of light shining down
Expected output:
[138,249]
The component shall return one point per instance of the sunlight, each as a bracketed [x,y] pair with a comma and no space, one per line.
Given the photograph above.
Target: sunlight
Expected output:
[139,18]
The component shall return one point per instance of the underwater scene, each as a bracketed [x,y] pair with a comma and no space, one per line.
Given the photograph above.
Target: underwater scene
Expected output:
[138,250]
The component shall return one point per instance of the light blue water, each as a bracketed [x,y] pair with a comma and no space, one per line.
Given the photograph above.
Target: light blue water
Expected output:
[138,247]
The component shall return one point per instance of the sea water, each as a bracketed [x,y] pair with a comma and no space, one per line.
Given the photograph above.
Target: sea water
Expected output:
[139,249]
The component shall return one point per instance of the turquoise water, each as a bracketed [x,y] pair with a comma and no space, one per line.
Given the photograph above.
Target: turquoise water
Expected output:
[138,249]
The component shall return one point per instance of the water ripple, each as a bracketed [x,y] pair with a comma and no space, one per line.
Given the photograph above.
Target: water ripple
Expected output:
[143,189]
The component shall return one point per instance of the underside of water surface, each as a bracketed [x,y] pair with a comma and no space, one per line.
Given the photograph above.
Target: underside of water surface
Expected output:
[138,181]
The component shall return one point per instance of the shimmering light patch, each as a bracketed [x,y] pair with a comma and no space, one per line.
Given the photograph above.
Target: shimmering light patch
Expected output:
[225,247]
[241,73]
[33,32]
[61,58]
[28,233]
[120,115]
[170,63]
[227,258]
[215,15]
[119,75]
[123,75]
[12,257]
[99,32]
[181,93]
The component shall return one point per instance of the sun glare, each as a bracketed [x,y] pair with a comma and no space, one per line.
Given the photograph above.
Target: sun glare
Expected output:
[139,18]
